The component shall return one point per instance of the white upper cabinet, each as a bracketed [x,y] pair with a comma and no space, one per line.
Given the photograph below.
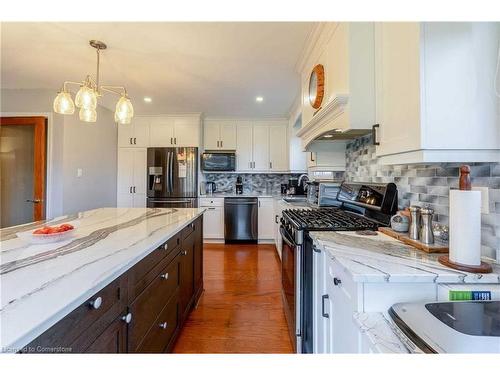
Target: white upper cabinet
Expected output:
[346,52]
[260,147]
[278,148]
[219,135]
[187,131]
[244,146]
[435,92]
[161,132]
[135,134]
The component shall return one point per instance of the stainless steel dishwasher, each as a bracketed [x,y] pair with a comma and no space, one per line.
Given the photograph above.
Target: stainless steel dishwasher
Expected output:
[240,219]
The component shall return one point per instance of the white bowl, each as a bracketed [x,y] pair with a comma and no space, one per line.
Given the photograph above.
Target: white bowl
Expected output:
[40,239]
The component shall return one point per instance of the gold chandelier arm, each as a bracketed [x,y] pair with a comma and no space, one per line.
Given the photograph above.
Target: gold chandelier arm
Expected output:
[71,83]
[119,90]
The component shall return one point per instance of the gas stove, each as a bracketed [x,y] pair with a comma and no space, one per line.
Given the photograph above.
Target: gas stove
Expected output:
[329,219]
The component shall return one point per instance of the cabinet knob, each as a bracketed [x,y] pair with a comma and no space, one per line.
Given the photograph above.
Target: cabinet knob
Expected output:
[337,281]
[95,304]
[164,276]
[127,318]
[163,325]
[164,246]
[184,252]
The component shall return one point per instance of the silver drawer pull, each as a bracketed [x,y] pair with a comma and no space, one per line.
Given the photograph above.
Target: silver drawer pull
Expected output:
[95,304]
[127,318]
[164,246]
[164,325]
[164,276]
[184,252]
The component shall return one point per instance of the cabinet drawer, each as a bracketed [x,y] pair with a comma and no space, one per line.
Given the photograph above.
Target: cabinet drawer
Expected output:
[161,332]
[211,202]
[112,340]
[146,308]
[190,228]
[342,281]
[144,272]
[102,308]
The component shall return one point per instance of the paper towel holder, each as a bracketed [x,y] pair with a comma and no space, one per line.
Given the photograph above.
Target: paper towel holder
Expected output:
[465,185]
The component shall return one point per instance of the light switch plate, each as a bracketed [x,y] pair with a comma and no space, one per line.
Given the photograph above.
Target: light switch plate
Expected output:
[79,172]
[485,199]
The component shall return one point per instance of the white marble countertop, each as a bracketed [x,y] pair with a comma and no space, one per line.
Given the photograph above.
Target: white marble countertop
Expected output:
[231,195]
[384,259]
[382,334]
[40,284]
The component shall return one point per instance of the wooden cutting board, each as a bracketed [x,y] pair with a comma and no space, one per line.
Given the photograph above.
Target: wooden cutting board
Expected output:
[436,247]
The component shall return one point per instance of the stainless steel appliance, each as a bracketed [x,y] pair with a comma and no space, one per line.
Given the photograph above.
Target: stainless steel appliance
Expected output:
[218,161]
[450,327]
[240,219]
[364,207]
[172,177]
[323,194]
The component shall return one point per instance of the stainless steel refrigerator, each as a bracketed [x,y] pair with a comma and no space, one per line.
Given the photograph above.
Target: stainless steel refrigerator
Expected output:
[172,177]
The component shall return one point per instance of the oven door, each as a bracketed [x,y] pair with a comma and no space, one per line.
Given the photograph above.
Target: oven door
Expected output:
[291,286]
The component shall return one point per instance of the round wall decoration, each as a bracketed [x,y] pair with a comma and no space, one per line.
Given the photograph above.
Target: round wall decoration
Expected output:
[317,86]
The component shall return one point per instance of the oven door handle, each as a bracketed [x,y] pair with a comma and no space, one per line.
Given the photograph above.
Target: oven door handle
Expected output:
[287,239]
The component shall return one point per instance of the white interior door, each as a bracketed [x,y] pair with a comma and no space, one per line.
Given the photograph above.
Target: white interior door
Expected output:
[228,136]
[140,169]
[261,147]
[211,135]
[187,132]
[244,146]
[278,147]
[161,132]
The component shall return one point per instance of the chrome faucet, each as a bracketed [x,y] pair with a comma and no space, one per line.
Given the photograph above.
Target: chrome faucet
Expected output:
[301,177]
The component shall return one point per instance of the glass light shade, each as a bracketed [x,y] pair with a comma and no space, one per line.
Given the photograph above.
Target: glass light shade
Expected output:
[86,98]
[121,118]
[124,111]
[63,104]
[88,115]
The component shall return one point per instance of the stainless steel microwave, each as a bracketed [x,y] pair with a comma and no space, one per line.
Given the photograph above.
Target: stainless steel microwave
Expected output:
[218,161]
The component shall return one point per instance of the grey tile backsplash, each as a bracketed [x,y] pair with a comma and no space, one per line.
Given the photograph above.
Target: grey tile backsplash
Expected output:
[429,184]
[252,183]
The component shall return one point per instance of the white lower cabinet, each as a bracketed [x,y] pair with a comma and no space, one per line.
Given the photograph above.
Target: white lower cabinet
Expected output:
[336,297]
[131,182]
[278,210]
[213,218]
[266,219]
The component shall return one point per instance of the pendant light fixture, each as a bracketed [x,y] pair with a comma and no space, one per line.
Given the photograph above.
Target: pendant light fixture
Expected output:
[89,92]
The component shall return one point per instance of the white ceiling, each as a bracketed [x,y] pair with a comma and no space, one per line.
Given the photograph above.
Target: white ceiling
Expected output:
[215,68]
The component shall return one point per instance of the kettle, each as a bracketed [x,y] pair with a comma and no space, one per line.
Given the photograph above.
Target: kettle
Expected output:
[210,187]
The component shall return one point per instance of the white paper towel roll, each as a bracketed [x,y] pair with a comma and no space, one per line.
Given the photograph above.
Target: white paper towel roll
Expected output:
[465,227]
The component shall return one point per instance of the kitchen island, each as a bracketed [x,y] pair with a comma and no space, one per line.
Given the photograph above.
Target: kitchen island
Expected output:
[125,272]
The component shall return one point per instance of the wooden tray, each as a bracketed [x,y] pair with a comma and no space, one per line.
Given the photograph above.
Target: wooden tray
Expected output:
[436,247]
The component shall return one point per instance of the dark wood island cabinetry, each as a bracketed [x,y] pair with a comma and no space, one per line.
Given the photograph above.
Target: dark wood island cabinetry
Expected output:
[143,310]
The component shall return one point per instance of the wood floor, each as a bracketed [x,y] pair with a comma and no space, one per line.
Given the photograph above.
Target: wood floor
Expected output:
[241,310]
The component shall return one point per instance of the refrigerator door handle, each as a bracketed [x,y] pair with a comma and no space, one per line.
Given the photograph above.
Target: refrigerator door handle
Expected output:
[167,175]
[171,171]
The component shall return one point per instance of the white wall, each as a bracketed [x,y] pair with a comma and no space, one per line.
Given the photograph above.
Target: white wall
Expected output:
[71,144]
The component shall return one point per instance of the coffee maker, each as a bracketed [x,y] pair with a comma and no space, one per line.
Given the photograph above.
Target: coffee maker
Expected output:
[239,185]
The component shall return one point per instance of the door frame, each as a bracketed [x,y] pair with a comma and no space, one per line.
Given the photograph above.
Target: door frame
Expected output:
[50,209]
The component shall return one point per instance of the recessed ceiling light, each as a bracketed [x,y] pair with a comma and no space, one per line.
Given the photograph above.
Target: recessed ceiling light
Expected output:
[328,136]
[338,130]
[147,99]
[259,99]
